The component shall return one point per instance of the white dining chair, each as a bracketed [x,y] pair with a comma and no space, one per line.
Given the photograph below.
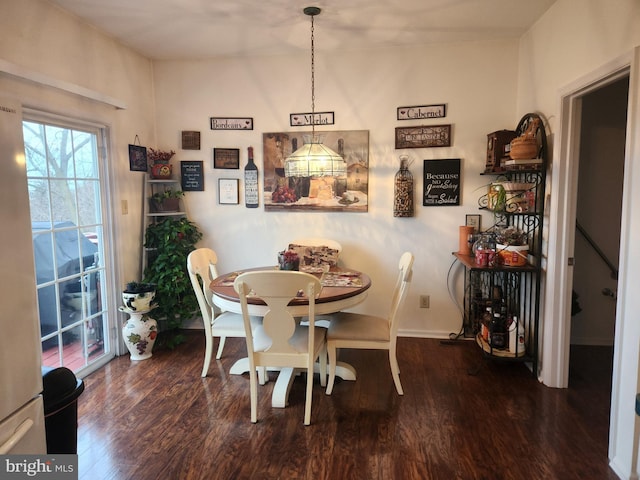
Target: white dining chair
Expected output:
[362,331]
[201,265]
[281,341]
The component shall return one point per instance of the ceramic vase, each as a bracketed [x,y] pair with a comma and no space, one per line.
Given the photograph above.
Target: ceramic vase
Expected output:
[139,333]
[138,302]
[161,171]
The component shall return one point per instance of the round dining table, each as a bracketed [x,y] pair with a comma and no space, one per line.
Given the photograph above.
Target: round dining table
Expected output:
[341,289]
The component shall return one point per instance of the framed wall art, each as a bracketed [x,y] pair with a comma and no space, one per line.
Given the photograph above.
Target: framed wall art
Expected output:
[190,140]
[191,176]
[137,158]
[473,221]
[423,136]
[226,158]
[345,193]
[441,182]
[228,191]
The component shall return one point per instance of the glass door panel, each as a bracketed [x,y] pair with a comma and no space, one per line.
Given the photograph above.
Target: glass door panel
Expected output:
[68,230]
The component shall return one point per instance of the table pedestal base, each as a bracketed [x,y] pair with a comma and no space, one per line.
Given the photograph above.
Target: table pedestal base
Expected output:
[280,396]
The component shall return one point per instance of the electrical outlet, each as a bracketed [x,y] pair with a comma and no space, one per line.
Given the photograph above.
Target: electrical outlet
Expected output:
[424,301]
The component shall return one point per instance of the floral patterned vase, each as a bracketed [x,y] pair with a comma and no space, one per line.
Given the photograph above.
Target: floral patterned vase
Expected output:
[139,333]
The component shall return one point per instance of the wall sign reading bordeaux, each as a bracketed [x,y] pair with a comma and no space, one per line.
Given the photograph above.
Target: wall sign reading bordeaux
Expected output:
[423,136]
[441,182]
[231,123]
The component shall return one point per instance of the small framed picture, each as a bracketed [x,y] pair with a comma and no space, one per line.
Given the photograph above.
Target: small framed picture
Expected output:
[226,158]
[228,191]
[473,221]
[137,158]
[190,140]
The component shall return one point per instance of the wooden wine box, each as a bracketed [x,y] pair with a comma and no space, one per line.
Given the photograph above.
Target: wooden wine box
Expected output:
[498,144]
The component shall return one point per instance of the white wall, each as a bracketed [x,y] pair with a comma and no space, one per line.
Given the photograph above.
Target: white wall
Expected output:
[363,89]
[571,41]
[43,40]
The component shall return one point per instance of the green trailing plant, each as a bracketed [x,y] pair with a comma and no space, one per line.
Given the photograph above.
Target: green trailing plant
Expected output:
[170,241]
[168,193]
[139,287]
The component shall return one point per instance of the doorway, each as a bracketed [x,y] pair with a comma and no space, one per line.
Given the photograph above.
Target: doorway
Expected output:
[69,231]
[600,176]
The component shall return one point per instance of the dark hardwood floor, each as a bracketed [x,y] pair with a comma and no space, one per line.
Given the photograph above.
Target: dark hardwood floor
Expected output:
[157,419]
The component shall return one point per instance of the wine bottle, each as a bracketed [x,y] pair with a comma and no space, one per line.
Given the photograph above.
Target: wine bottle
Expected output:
[251,182]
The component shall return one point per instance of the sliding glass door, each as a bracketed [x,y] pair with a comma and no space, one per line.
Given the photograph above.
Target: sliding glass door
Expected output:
[68,230]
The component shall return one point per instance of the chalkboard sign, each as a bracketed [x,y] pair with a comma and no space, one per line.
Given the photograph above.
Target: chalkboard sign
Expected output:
[441,182]
[192,176]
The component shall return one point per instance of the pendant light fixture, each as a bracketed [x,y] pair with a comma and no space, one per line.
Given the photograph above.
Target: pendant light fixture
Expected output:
[314,159]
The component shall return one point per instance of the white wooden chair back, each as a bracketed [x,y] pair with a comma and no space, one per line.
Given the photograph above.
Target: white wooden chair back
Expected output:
[405,274]
[201,265]
[280,341]
[277,288]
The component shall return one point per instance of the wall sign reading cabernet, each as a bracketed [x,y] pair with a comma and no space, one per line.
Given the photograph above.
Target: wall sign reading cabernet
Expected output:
[422,111]
[423,136]
[441,182]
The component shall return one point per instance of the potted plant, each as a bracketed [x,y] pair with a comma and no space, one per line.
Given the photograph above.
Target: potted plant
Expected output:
[512,246]
[166,201]
[137,296]
[169,242]
[159,163]
[288,260]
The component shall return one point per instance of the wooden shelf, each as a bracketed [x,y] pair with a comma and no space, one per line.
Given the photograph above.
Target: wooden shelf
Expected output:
[469,261]
[495,351]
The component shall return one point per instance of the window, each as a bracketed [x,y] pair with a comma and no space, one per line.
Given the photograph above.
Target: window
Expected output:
[68,231]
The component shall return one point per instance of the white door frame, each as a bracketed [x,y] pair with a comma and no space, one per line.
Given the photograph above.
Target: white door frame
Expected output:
[556,324]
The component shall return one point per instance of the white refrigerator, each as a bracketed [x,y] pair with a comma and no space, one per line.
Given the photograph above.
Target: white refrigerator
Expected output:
[22,428]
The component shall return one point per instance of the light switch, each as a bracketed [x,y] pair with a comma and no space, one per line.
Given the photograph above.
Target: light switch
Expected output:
[125,207]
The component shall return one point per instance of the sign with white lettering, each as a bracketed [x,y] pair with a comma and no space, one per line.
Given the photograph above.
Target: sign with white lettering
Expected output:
[423,136]
[422,111]
[441,182]
[231,123]
[319,118]
[192,175]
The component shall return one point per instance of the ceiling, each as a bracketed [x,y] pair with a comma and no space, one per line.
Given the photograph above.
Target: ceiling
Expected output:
[199,29]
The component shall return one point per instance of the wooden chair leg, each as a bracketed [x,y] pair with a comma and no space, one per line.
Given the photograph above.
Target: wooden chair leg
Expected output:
[262,375]
[253,389]
[395,370]
[331,350]
[220,348]
[309,397]
[208,350]
[323,366]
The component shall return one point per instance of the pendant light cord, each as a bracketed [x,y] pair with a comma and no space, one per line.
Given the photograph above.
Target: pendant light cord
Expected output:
[313,84]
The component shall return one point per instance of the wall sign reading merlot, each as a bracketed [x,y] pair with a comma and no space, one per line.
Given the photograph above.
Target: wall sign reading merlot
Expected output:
[441,182]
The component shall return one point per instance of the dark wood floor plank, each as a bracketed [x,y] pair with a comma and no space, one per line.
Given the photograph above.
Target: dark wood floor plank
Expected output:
[462,417]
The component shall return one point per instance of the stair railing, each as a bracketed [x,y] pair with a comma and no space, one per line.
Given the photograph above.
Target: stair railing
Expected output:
[598,250]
